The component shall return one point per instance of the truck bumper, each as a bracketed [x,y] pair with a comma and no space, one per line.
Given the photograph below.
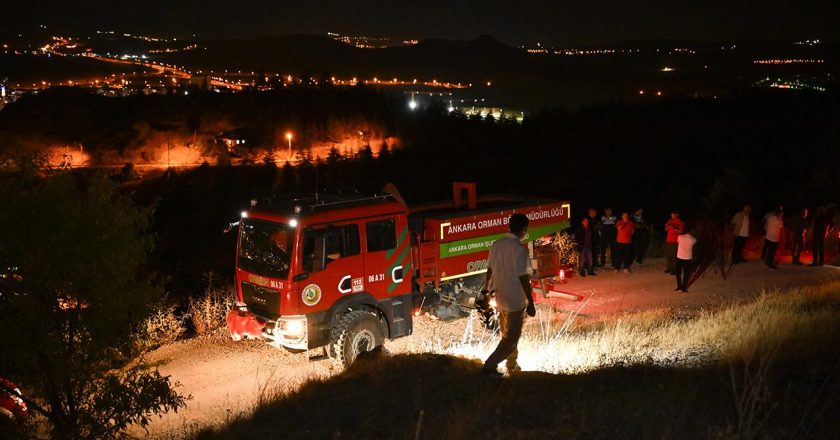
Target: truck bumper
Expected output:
[242,324]
[287,331]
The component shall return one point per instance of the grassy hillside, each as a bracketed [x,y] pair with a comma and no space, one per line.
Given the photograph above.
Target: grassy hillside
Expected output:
[769,371]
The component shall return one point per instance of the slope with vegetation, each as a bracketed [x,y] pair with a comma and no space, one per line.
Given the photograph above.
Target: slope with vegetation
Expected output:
[768,370]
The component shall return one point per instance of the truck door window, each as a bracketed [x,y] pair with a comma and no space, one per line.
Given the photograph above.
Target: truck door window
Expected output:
[381,235]
[337,241]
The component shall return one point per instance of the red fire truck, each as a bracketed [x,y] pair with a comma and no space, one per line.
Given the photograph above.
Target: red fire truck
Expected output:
[347,272]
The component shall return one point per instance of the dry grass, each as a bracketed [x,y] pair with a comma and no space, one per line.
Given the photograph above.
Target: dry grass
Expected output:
[162,326]
[165,325]
[733,332]
[765,368]
[208,312]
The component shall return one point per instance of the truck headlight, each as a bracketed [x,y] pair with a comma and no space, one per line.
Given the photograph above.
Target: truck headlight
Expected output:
[295,327]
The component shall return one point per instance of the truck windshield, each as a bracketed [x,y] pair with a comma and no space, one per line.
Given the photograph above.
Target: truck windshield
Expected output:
[265,247]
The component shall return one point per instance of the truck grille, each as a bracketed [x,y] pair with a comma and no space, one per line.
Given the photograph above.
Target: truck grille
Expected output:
[261,301]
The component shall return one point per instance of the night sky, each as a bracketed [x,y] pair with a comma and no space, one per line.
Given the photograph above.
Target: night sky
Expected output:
[514,22]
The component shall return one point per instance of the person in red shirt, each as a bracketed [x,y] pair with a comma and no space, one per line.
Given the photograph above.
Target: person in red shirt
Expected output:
[624,243]
[673,228]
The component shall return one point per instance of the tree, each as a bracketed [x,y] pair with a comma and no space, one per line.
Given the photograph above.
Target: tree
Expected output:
[72,250]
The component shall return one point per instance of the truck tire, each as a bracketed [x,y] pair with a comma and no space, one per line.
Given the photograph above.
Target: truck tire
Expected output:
[357,331]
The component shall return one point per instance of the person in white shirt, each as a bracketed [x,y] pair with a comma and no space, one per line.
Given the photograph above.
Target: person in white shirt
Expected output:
[685,260]
[509,273]
[771,237]
[741,230]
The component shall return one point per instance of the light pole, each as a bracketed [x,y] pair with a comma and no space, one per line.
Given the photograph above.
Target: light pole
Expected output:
[289,138]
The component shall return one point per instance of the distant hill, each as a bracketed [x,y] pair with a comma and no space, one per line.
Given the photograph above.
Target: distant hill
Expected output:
[625,71]
[518,78]
[315,55]
[28,69]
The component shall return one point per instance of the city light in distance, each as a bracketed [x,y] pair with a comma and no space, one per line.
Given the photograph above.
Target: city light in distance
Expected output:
[789,61]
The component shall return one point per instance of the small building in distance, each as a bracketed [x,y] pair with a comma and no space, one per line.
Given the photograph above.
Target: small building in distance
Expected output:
[235,141]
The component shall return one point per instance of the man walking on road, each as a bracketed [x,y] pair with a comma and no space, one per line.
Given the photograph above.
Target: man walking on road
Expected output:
[508,272]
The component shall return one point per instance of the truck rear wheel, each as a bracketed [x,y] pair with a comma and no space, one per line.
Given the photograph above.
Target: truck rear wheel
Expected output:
[356,332]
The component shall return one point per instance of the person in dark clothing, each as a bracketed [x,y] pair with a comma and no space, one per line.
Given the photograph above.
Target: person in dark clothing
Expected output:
[641,237]
[584,238]
[797,229]
[595,225]
[822,224]
[608,236]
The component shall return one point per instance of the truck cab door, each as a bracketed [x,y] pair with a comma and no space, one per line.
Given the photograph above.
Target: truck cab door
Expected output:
[387,256]
[388,269]
[332,258]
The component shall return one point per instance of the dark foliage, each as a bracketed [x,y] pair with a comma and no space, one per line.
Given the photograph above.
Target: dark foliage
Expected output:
[71,291]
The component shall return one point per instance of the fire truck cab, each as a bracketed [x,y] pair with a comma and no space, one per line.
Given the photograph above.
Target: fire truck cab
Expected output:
[327,272]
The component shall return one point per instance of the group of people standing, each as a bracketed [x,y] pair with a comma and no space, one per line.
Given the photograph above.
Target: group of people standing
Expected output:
[508,270]
[774,233]
[625,238]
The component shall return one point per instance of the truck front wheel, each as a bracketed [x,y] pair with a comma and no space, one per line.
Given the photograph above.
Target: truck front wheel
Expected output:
[356,332]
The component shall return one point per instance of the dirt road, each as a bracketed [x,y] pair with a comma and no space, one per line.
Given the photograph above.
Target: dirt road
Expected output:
[226,379]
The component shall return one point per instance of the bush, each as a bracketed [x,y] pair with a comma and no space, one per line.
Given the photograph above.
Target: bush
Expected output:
[162,326]
[72,250]
[208,313]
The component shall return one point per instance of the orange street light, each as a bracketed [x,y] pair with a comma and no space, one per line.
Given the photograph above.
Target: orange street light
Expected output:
[289,138]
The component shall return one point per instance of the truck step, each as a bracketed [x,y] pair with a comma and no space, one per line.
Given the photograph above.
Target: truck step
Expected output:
[399,327]
[318,355]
